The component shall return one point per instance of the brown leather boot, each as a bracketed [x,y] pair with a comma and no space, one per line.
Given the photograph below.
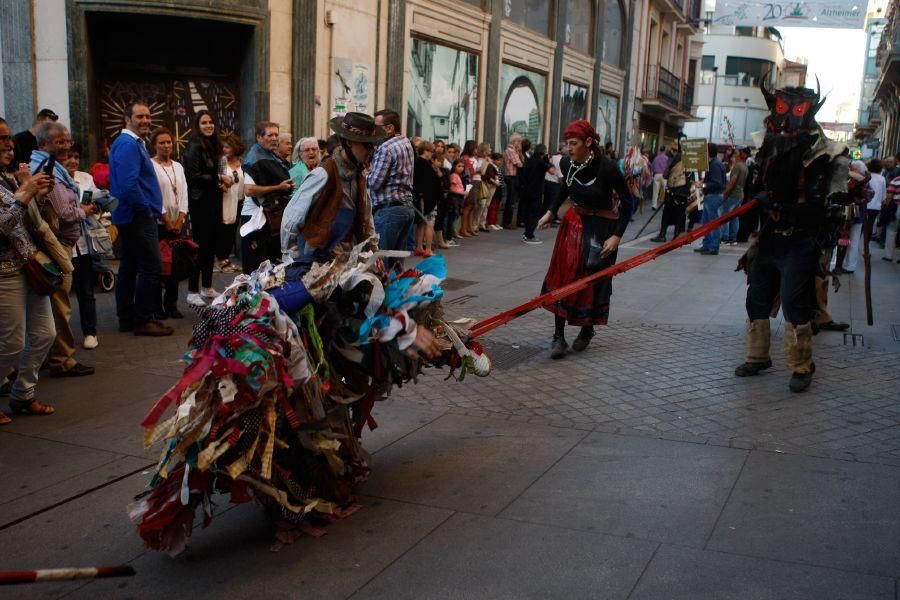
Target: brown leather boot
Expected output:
[153,329]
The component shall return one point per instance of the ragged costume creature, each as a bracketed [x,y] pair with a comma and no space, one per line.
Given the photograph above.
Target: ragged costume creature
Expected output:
[804,177]
[282,374]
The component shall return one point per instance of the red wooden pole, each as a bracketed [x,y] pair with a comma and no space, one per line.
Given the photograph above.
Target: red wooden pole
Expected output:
[13,577]
[492,323]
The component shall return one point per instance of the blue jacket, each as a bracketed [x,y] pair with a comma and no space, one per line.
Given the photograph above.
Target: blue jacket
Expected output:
[132,180]
[715,177]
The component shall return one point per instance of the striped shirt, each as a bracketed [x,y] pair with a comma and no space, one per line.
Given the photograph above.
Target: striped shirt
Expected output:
[390,178]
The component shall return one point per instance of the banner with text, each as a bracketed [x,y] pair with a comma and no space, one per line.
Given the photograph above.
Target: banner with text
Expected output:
[837,14]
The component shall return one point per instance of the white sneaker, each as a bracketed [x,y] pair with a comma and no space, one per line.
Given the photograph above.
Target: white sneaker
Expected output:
[90,342]
[209,294]
[194,299]
[496,227]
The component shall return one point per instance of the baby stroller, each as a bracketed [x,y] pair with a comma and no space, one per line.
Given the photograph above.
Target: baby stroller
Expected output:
[100,234]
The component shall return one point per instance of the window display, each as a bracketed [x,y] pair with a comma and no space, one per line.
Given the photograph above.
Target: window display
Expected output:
[607,117]
[574,103]
[443,93]
[522,105]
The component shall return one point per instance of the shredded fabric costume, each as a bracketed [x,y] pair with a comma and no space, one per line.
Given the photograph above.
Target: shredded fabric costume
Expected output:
[273,402]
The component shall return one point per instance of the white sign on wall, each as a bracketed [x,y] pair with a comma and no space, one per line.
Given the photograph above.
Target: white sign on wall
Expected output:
[841,14]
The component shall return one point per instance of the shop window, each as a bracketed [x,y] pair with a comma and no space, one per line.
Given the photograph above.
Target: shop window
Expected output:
[574,103]
[533,14]
[443,93]
[607,117]
[475,3]
[747,71]
[579,25]
[613,26]
[523,101]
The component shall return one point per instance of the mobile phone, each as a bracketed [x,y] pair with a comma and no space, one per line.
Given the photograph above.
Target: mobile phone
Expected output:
[49,165]
[87,197]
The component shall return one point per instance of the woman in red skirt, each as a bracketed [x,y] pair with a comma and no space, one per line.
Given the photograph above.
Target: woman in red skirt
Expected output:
[588,238]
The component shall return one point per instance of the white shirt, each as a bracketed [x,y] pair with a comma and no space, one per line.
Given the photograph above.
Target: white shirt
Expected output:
[174,188]
[879,186]
[554,177]
[250,206]
[232,195]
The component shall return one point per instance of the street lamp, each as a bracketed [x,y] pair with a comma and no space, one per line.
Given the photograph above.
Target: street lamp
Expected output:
[712,116]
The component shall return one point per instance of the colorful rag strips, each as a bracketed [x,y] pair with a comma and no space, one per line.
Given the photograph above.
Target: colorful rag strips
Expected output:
[272,403]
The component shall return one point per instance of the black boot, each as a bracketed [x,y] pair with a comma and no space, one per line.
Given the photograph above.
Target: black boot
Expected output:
[801,381]
[749,369]
[559,347]
[659,238]
[583,339]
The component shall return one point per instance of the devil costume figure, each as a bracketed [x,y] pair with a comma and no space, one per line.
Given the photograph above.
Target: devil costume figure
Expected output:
[588,238]
[802,173]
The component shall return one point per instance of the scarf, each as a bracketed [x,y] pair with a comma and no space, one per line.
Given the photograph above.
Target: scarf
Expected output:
[39,159]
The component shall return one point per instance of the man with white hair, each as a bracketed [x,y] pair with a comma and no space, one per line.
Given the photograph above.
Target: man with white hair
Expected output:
[305,159]
[285,144]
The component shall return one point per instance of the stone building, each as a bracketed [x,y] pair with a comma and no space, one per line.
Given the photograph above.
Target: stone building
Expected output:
[457,69]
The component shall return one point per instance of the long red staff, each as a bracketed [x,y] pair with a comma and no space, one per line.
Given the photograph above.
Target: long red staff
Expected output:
[12,577]
[549,298]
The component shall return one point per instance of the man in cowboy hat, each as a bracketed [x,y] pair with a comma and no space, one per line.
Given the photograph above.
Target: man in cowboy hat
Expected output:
[332,207]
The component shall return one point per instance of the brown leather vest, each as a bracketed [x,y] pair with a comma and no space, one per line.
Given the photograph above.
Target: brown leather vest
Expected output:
[317,230]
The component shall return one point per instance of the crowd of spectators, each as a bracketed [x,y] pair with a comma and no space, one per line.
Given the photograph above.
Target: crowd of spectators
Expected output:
[220,208]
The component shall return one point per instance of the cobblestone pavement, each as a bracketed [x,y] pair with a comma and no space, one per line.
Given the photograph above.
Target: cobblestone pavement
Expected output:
[678,383]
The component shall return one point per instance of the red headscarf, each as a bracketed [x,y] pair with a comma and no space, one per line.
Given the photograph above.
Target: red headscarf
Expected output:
[582,130]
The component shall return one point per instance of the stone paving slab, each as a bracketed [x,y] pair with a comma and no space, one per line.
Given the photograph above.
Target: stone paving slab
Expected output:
[64,490]
[677,573]
[30,465]
[634,487]
[233,559]
[815,511]
[476,557]
[465,463]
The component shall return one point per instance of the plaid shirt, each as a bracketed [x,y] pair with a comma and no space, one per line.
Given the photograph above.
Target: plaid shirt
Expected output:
[390,178]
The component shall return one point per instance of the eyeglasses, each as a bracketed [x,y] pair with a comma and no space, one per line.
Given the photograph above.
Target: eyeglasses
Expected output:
[5,138]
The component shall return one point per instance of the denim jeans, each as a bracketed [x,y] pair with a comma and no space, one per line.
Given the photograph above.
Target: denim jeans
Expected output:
[729,230]
[393,225]
[712,207]
[512,200]
[26,333]
[83,280]
[137,285]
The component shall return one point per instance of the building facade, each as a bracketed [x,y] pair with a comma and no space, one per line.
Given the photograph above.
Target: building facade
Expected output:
[868,123]
[734,61]
[887,90]
[666,67]
[455,69]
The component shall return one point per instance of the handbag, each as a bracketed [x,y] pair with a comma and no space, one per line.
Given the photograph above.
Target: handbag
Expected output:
[42,274]
[99,242]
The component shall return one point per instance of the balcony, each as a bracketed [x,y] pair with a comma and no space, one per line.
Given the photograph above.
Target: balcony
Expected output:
[687,97]
[666,94]
[663,85]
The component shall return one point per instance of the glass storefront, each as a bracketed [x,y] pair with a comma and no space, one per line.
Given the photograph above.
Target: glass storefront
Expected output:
[607,117]
[522,104]
[443,93]
[613,25]
[574,103]
[533,14]
[579,25]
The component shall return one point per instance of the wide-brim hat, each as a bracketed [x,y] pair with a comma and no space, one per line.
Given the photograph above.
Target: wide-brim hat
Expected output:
[358,127]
